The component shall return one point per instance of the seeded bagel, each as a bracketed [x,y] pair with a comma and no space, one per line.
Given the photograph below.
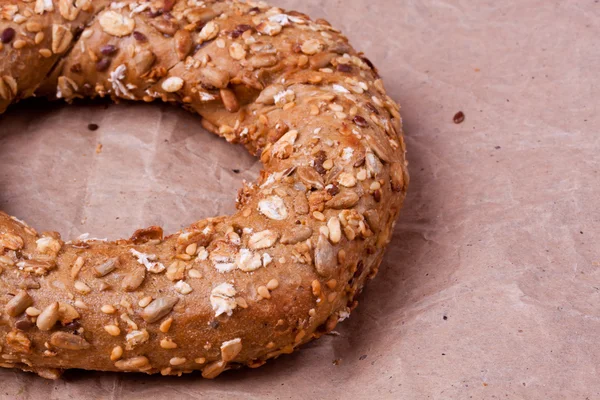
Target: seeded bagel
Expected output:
[227,291]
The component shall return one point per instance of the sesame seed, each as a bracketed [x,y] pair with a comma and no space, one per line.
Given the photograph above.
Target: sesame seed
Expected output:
[240,301]
[318,215]
[107,309]
[168,344]
[32,312]
[316,288]
[145,301]
[264,292]
[336,107]
[45,53]
[273,284]
[80,304]
[77,265]
[112,330]
[166,325]
[19,44]
[191,249]
[175,361]
[302,60]
[194,273]
[335,231]
[288,106]
[116,353]
[81,287]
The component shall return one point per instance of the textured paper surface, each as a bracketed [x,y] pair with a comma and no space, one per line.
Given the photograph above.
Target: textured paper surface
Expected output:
[491,286]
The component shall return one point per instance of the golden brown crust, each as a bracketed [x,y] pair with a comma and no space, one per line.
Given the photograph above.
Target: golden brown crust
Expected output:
[226,291]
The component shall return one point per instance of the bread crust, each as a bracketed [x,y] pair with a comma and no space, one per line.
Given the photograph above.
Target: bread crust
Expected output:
[227,291]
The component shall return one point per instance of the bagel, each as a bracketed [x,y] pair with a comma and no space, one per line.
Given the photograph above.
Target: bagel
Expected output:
[227,291]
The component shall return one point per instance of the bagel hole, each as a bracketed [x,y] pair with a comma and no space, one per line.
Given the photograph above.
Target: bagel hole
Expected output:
[156,166]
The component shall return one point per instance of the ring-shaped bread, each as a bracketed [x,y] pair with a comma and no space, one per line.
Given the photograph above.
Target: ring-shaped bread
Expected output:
[227,291]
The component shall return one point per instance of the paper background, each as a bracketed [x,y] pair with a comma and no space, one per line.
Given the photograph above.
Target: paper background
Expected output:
[491,286]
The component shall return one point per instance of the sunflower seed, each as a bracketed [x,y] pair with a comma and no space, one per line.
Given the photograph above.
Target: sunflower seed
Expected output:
[230,349]
[296,234]
[133,279]
[18,304]
[48,318]
[325,257]
[68,341]
[106,267]
[345,199]
[132,364]
[158,308]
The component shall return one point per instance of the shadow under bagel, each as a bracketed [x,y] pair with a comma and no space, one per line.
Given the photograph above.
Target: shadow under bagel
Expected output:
[190,174]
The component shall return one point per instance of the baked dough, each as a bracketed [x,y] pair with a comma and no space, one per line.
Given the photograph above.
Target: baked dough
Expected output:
[227,291]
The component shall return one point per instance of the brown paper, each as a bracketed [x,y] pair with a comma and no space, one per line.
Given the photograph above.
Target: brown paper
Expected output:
[491,286]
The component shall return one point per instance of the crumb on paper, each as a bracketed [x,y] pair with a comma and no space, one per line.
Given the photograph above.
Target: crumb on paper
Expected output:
[459,117]
[99,148]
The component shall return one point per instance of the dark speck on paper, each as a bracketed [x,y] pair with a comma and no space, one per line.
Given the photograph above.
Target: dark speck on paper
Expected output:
[93,127]
[459,117]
